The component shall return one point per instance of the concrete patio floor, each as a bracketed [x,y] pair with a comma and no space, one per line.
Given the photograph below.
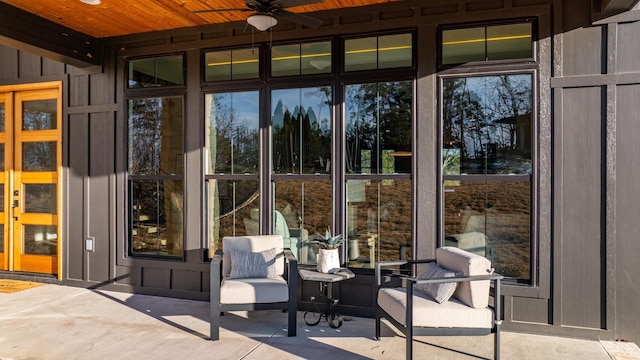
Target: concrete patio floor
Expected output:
[60,322]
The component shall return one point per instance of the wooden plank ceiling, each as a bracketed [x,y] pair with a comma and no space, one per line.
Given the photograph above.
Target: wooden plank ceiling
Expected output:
[123,17]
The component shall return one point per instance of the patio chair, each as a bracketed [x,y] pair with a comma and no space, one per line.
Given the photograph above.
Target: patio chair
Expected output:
[248,274]
[450,298]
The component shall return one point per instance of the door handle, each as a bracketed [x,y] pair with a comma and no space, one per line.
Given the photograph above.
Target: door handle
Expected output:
[14,206]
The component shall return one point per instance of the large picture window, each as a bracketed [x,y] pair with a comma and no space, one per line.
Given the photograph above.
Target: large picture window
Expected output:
[378,138]
[487,168]
[276,163]
[301,125]
[231,165]
[155,168]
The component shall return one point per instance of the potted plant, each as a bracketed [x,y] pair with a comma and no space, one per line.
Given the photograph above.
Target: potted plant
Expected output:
[328,257]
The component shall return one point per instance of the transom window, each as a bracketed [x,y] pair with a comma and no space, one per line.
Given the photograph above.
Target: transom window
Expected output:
[378,52]
[157,71]
[301,59]
[232,64]
[486,43]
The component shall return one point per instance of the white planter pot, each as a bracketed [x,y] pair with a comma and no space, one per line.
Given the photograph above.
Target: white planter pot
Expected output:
[328,260]
[354,249]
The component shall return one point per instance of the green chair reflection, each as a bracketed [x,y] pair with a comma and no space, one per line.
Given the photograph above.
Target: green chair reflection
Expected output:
[291,237]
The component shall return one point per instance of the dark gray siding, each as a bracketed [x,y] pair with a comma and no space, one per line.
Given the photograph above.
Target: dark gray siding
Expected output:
[578,226]
[76,177]
[627,229]
[595,170]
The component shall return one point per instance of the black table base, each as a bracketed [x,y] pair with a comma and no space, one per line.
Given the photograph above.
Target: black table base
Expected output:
[312,318]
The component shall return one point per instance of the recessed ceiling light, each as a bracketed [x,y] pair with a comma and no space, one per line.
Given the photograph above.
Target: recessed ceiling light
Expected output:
[91,2]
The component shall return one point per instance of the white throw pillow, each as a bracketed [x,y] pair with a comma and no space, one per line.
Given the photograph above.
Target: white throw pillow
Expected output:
[246,264]
[440,292]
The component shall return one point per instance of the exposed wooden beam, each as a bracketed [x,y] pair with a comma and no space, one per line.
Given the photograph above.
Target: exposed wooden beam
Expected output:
[27,32]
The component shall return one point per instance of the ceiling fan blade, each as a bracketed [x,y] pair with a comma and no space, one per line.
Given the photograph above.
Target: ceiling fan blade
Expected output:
[219,10]
[301,19]
[291,3]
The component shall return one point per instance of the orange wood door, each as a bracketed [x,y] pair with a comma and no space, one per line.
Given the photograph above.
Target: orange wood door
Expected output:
[31,180]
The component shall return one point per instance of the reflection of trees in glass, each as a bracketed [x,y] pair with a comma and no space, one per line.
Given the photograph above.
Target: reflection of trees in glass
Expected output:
[486,124]
[145,135]
[237,199]
[379,218]
[2,117]
[489,120]
[301,130]
[232,144]
[39,156]
[305,204]
[156,217]
[39,115]
[233,133]
[378,124]
[156,148]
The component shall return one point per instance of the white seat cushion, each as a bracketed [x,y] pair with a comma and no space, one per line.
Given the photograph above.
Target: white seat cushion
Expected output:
[428,313]
[254,290]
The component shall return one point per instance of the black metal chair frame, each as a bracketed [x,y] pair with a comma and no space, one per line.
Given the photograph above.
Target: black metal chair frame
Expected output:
[290,274]
[409,330]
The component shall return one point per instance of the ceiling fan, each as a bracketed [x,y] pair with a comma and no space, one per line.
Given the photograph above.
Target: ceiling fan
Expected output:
[268,11]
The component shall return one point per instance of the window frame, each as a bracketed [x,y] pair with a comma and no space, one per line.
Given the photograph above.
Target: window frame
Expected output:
[333,55]
[381,74]
[208,85]
[229,177]
[363,77]
[176,91]
[135,90]
[534,41]
[496,68]
[337,79]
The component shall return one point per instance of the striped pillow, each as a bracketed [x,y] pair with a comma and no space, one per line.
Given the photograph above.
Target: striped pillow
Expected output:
[440,292]
[246,264]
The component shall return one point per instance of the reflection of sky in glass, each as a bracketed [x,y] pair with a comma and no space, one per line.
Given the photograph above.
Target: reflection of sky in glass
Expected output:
[246,104]
[305,98]
[242,104]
